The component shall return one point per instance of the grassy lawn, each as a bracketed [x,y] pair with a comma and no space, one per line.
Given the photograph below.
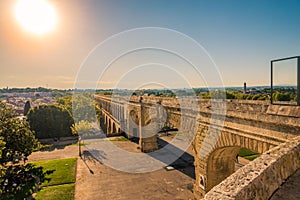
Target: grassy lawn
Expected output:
[252,157]
[248,154]
[64,171]
[119,139]
[62,192]
[61,185]
[81,144]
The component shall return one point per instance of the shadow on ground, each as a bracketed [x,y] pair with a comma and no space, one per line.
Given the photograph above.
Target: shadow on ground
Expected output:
[184,164]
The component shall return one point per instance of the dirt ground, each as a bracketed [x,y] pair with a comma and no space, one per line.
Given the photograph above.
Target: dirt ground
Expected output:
[105,183]
[97,181]
[59,152]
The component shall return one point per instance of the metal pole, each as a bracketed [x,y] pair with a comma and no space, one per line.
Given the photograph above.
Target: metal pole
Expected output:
[271,98]
[298,81]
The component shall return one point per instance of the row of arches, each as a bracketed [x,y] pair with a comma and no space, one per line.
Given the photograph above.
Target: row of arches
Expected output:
[115,109]
[109,125]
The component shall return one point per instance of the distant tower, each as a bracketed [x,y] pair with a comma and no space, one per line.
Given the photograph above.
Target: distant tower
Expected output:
[245,87]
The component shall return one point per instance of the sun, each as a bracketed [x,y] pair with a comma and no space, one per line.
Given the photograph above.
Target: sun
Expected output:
[36,16]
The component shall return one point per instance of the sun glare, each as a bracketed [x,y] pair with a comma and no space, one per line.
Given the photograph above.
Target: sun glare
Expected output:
[36,16]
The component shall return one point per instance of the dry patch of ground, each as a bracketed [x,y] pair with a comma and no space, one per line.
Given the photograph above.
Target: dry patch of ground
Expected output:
[97,181]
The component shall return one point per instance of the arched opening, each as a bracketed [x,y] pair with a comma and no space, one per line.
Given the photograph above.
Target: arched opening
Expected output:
[224,161]
[133,132]
[109,126]
[220,165]
[245,156]
[167,127]
[114,130]
[134,117]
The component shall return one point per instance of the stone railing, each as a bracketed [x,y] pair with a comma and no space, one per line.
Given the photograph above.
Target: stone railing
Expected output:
[261,177]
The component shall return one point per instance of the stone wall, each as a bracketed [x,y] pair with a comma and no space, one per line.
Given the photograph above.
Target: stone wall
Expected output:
[248,124]
[261,177]
[220,128]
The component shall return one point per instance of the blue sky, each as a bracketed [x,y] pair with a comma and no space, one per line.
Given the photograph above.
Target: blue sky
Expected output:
[241,36]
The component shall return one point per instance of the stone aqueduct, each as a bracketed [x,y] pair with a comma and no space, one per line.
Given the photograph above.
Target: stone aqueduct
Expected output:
[256,125]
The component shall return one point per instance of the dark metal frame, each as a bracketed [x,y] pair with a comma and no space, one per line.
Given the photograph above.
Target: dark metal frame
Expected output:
[298,77]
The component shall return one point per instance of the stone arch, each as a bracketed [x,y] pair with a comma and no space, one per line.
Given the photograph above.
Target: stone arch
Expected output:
[217,155]
[105,127]
[102,120]
[220,165]
[228,139]
[114,129]
[134,116]
[109,126]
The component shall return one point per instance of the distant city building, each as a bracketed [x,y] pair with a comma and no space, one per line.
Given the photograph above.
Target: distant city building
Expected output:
[245,87]
[17,101]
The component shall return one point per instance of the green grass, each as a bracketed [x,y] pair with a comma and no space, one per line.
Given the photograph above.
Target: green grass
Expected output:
[64,171]
[252,157]
[61,185]
[248,154]
[119,139]
[81,144]
[61,192]
[51,147]
[43,147]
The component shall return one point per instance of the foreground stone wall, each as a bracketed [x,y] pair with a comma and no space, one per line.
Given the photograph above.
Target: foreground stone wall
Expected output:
[257,126]
[261,177]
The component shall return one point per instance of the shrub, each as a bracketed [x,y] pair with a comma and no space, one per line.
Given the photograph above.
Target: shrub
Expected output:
[50,121]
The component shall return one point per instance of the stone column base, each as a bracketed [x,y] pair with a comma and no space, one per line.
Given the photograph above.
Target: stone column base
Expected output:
[148,144]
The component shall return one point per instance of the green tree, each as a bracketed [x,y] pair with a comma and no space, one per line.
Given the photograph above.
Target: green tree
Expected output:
[2,169]
[230,95]
[81,106]
[218,94]
[50,121]
[19,139]
[26,107]
[256,97]
[65,102]
[279,96]
[82,128]
[17,142]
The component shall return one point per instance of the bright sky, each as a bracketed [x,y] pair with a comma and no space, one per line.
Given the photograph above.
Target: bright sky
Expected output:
[241,36]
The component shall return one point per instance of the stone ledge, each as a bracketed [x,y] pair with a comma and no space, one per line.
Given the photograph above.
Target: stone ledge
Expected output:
[261,177]
[282,110]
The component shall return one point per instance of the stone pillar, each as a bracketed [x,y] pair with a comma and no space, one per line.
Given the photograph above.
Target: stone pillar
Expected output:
[148,135]
[200,187]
